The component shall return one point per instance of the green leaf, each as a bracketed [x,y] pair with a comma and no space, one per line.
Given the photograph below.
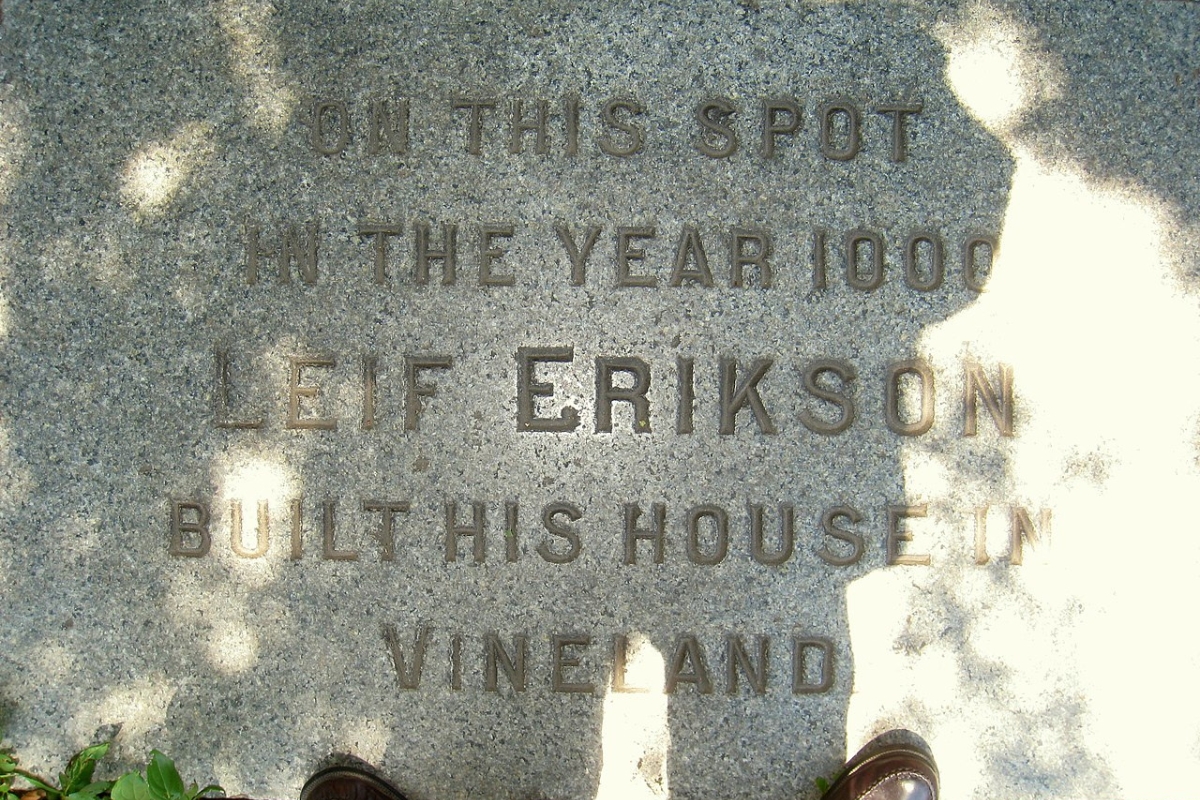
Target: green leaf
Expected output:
[92,791]
[822,785]
[8,762]
[163,778]
[131,786]
[37,783]
[212,787]
[80,768]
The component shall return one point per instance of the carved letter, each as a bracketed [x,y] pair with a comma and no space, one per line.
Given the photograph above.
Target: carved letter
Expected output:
[612,120]
[853,122]
[896,515]
[787,533]
[656,534]
[197,528]
[688,651]
[474,529]
[318,136]
[912,276]
[408,676]
[559,660]
[735,397]
[899,111]
[1000,407]
[520,125]
[713,116]
[721,525]
[772,126]
[380,231]
[577,254]
[489,252]
[498,657]
[873,279]
[635,395]
[738,662]
[414,390]
[528,388]
[475,126]
[221,397]
[425,256]
[626,254]
[387,533]
[552,525]
[829,520]
[297,390]
[800,646]
[891,402]
[386,132]
[812,373]
[691,248]
[261,536]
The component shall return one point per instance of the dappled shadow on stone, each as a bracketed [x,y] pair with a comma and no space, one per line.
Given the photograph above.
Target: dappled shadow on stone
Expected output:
[1092,284]
[127,271]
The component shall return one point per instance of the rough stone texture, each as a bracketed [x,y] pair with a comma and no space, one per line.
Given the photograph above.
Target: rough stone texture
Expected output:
[138,142]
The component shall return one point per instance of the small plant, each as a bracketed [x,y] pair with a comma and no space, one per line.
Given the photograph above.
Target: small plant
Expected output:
[75,783]
[161,781]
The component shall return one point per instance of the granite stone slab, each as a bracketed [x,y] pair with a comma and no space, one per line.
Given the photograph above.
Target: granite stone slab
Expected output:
[583,399]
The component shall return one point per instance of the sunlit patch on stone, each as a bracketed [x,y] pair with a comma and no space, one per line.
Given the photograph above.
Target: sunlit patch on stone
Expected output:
[636,736]
[156,173]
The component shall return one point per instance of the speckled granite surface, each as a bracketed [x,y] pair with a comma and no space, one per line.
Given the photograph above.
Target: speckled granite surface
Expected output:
[578,400]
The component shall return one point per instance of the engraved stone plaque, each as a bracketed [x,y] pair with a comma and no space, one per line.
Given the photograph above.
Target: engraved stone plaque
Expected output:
[581,400]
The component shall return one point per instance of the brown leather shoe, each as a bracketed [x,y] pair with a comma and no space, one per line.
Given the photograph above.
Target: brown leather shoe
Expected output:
[887,769]
[348,783]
